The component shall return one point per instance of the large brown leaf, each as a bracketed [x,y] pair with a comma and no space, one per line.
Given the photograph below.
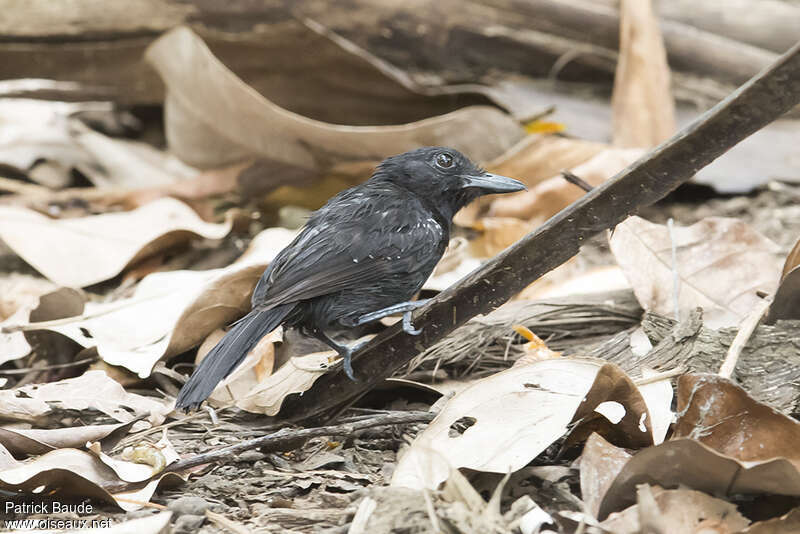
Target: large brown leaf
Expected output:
[644,112]
[720,414]
[678,511]
[214,118]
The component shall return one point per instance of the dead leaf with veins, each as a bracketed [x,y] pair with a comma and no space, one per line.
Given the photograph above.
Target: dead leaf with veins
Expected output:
[56,304]
[28,441]
[501,422]
[174,311]
[295,376]
[86,250]
[686,462]
[720,414]
[73,473]
[92,390]
[722,264]
[676,511]
[256,367]
[599,465]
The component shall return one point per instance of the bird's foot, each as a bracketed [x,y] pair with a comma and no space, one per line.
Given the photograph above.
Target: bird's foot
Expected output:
[346,353]
[403,307]
[348,365]
[408,328]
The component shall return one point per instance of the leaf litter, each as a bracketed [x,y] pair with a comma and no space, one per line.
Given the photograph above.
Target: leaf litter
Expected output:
[529,434]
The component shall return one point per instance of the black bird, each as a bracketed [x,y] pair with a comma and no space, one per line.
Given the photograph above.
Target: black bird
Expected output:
[361,257]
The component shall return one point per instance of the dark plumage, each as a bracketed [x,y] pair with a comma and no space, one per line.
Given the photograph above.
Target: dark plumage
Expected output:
[362,256]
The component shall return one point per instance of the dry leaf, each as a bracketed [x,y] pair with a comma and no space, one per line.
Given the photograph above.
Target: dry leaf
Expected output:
[600,464]
[644,112]
[497,234]
[78,474]
[36,131]
[174,311]
[139,462]
[718,413]
[14,345]
[92,390]
[658,397]
[125,163]
[792,260]
[56,304]
[539,157]
[721,263]
[678,511]
[786,524]
[554,194]
[86,250]
[295,376]
[500,423]
[689,463]
[19,290]
[573,278]
[254,369]
[785,304]
[27,441]
[194,191]
[787,296]
[207,104]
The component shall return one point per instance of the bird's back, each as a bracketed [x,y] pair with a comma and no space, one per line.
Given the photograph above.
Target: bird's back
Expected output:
[369,247]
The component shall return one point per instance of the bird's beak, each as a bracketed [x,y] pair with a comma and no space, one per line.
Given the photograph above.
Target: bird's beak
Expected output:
[493,183]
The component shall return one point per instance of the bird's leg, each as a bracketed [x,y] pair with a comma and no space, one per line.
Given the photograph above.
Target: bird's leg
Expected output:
[408,328]
[404,307]
[345,351]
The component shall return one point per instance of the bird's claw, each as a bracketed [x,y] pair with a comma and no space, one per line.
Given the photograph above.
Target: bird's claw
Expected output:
[347,359]
[348,367]
[408,328]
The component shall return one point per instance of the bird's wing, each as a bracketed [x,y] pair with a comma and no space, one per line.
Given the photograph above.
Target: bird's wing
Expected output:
[343,254]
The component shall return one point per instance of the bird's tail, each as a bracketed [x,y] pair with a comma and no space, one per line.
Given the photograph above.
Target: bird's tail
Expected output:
[228,353]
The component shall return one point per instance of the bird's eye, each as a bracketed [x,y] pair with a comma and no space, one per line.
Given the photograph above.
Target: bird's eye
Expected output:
[444,160]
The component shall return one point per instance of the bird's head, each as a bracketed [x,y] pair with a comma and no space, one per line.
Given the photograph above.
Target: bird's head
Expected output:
[444,177]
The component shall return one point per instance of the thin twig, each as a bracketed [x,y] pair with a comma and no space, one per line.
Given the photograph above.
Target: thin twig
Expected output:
[22,188]
[133,438]
[223,522]
[660,376]
[48,367]
[746,330]
[576,180]
[277,441]
[676,280]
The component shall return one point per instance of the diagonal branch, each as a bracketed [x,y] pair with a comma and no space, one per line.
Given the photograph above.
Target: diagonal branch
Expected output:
[755,104]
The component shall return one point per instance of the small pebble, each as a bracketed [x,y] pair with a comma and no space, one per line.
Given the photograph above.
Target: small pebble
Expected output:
[251,456]
[188,524]
[189,505]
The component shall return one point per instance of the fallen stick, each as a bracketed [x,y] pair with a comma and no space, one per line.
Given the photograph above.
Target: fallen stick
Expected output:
[751,107]
[282,440]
